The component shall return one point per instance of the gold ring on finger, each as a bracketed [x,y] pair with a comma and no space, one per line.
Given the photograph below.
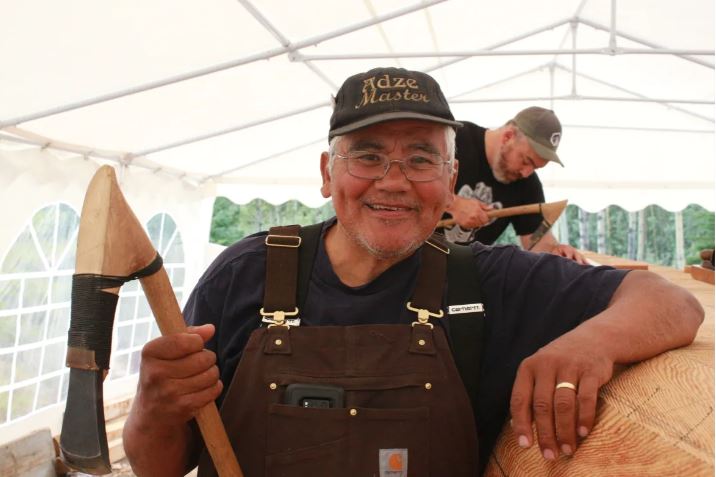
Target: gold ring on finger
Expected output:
[565,384]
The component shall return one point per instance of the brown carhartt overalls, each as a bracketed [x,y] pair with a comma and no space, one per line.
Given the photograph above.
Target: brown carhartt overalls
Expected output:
[406,412]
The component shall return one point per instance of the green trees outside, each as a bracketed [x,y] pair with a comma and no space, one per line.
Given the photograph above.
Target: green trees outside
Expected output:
[232,222]
[648,235]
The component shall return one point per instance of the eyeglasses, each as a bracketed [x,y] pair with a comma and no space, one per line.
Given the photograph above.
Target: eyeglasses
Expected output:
[422,167]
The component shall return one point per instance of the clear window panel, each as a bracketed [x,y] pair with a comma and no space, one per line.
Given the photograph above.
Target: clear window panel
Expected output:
[154,228]
[27,365]
[124,337]
[68,262]
[130,286]
[22,400]
[120,366]
[127,305]
[69,222]
[167,233]
[178,277]
[59,322]
[61,289]
[47,392]
[35,291]
[32,327]
[44,224]
[143,309]
[23,256]
[8,325]
[9,294]
[3,406]
[65,384]
[135,361]
[175,254]
[5,368]
[141,333]
[54,358]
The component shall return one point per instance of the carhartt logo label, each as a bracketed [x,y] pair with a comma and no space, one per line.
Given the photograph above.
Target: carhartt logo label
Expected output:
[468,308]
[289,321]
[382,89]
[554,139]
[393,462]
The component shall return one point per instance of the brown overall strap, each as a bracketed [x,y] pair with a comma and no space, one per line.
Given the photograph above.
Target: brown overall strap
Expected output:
[429,287]
[281,269]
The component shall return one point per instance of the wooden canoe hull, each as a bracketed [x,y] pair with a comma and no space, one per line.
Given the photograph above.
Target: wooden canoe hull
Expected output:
[654,418]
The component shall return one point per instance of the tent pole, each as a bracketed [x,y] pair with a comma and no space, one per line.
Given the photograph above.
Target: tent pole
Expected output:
[219,67]
[598,26]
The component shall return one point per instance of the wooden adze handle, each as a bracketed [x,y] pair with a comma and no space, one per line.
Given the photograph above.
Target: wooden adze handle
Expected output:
[550,211]
[112,243]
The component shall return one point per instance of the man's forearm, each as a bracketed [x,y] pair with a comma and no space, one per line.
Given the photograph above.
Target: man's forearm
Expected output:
[541,240]
[646,316]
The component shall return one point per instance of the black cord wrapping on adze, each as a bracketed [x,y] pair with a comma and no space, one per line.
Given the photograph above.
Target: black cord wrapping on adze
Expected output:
[92,310]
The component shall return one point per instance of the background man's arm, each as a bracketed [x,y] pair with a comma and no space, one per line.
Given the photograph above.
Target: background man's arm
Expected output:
[469,213]
[546,242]
[647,315]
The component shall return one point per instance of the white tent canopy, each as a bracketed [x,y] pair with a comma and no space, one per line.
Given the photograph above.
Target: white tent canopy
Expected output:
[191,100]
[237,94]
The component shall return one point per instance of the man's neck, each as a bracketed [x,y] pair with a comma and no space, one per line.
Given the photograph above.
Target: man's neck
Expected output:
[492,145]
[353,263]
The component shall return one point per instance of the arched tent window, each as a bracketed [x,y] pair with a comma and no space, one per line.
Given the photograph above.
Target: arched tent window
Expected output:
[35,289]
[134,323]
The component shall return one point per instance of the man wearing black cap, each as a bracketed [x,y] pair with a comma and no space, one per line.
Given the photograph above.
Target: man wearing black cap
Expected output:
[497,170]
[338,349]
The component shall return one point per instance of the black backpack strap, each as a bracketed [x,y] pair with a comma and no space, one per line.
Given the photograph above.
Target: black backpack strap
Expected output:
[310,238]
[466,317]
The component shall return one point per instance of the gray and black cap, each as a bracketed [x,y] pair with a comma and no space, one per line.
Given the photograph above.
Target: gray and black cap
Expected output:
[543,131]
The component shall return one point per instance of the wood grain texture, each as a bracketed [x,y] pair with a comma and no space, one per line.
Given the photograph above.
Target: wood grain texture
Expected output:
[616,262]
[654,418]
[700,273]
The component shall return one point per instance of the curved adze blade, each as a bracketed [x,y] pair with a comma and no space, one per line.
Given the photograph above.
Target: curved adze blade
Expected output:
[83,439]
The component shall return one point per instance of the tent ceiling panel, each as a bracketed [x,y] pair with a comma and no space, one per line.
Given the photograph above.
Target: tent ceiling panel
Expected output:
[202,105]
[237,92]
[87,48]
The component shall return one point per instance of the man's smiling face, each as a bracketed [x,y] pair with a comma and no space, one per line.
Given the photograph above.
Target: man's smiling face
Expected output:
[392,216]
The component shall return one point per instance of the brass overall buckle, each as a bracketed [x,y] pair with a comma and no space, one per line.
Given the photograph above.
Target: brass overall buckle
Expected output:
[423,315]
[278,317]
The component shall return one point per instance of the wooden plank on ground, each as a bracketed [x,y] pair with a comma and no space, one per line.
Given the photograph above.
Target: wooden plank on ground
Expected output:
[654,418]
[30,456]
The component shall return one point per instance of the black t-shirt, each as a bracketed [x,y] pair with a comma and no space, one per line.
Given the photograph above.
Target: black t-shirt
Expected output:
[475,180]
[529,299]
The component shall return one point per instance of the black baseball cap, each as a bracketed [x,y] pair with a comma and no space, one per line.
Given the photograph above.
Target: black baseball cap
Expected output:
[385,94]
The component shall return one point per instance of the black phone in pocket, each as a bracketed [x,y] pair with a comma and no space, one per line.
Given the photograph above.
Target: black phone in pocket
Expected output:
[314,395]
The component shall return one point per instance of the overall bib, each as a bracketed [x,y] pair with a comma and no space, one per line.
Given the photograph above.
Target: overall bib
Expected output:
[405,411]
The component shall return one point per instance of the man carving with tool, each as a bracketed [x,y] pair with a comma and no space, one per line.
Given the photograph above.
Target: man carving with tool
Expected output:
[497,170]
[342,352]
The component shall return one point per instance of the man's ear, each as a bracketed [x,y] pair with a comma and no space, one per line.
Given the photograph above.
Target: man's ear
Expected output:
[453,174]
[507,134]
[325,176]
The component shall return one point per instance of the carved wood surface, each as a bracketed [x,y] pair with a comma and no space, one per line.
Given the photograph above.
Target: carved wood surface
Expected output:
[654,418]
